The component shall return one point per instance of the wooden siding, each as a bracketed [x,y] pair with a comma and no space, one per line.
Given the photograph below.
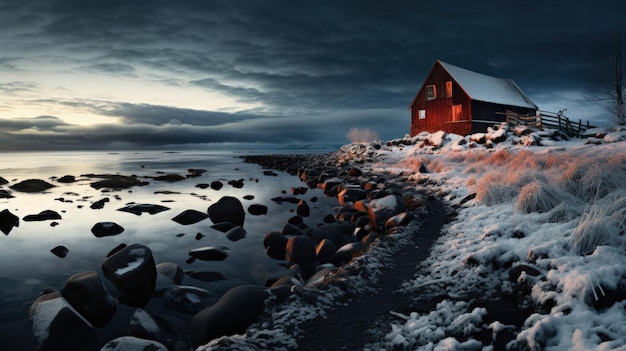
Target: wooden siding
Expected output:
[439,111]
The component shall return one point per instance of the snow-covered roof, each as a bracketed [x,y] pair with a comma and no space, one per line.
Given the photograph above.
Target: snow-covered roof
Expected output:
[487,88]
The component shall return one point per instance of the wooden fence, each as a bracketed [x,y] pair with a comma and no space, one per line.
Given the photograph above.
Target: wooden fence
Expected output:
[551,120]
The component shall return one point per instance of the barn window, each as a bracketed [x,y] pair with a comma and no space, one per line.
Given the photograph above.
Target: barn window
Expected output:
[431,92]
[457,112]
[422,114]
[449,89]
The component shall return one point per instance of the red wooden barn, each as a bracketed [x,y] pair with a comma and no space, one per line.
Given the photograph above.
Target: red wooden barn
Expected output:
[460,101]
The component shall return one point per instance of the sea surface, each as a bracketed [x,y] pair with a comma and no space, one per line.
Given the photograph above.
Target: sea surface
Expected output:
[27,265]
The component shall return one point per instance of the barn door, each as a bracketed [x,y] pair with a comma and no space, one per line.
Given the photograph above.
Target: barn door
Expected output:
[457,112]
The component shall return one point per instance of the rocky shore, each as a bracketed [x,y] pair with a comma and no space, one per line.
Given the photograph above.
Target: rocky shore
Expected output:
[121,308]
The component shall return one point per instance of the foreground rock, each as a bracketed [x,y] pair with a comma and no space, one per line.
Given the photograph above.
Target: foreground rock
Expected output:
[85,292]
[133,272]
[188,217]
[102,229]
[131,343]
[32,186]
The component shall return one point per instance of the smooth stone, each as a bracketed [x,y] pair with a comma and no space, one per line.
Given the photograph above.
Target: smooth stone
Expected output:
[67,179]
[186,299]
[42,216]
[115,182]
[300,250]
[289,199]
[235,311]
[60,251]
[5,194]
[335,232]
[170,178]
[227,209]
[290,229]
[216,185]
[31,186]
[257,209]
[398,220]
[131,343]
[188,217]
[275,244]
[98,205]
[3,181]
[209,253]
[381,209]
[350,195]
[325,251]
[248,197]
[102,229]
[223,227]
[56,325]
[138,209]
[85,292]
[133,272]
[172,271]
[303,209]
[7,221]
[347,252]
[236,233]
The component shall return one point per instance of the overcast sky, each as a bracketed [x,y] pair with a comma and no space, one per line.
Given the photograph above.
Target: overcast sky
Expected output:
[129,74]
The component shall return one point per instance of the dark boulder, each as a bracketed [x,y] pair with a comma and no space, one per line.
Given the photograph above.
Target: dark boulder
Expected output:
[172,271]
[209,253]
[186,299]
[46,215]
[5,194]
[223,227]
[348,196]
[236,233]
[138,209]
[303,209]
[133,272]
[325,251]
[56,325]
[170,177]
[335,232]
[60,251]
[347,252]
[398,220]
[98,205]
[188,217]
[85,292]
[227,209]
[115,182]
[131,343]
[32,186]
[102,229]
[3,181]
[232,314]
[381,209]
[67,179]
[216,185]
[275,244]
[300,250]
[257,210]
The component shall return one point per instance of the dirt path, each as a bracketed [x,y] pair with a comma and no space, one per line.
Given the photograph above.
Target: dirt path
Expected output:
[349,326]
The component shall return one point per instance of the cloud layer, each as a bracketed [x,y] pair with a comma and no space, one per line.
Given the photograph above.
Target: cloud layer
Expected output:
[215,71]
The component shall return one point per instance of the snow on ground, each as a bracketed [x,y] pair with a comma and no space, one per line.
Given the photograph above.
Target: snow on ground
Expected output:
[560,209]
[551,210]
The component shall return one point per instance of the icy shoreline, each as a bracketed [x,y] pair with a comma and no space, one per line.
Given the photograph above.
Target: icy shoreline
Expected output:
[541,225]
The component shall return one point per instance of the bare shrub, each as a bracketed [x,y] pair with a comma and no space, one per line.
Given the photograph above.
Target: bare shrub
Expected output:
[603,223]
[539,197]
[358,135]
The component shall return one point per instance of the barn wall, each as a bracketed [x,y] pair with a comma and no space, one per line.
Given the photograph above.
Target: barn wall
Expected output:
[439,111]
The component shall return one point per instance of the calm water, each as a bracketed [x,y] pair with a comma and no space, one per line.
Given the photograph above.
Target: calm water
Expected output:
[27,266]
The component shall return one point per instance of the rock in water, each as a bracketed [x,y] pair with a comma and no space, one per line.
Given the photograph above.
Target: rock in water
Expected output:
[32,186]
[275,244]
[85,292]
[131,343]
[257,210]
[232,314]
[187,299]
[236,233]
[7,221]
[60,251]
[209,253]
[227,209]
[133,272]
[43,216]
[57,326]
[67,179]
[303,209]
[138,209]
[4,194]
[172,271]
[106,229]
[188,217]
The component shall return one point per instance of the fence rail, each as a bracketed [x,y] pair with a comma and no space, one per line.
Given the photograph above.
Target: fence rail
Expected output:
[552,120]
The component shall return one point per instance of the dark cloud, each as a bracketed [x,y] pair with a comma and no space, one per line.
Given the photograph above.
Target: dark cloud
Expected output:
[299,60]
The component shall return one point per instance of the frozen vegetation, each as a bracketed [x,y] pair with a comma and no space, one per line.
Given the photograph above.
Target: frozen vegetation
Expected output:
[539,220]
